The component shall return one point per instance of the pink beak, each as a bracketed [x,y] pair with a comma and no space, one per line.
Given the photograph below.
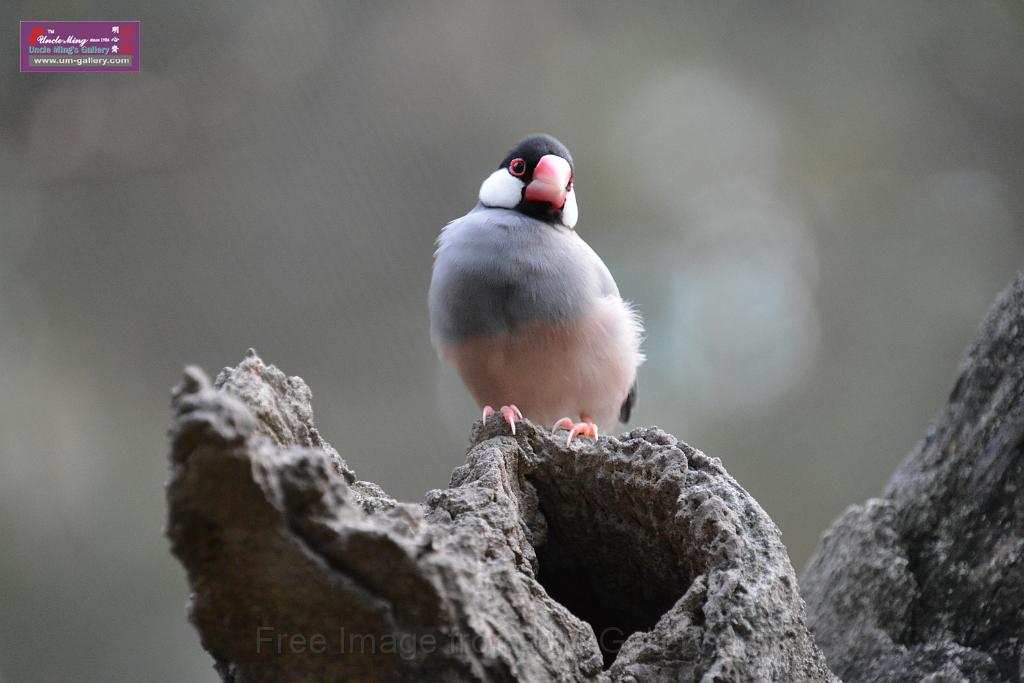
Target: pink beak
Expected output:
[550,181]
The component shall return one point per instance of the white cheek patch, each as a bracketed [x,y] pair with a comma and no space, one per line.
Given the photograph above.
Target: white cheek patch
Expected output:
[570,212]
[501,189]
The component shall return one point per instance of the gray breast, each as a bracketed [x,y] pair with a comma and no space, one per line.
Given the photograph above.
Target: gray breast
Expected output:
[496,270]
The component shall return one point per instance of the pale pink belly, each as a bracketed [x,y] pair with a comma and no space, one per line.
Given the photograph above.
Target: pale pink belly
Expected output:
[580,368]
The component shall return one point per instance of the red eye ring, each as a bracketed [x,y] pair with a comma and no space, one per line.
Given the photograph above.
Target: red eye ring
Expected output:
[517,167]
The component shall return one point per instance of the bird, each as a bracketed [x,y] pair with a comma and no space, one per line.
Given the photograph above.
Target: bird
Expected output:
[527,311]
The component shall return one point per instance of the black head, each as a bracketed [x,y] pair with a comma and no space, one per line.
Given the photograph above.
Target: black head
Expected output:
[531,148]
[535,178]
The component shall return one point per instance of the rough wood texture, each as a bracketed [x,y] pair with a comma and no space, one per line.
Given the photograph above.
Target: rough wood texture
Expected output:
[926,583]
[637,559]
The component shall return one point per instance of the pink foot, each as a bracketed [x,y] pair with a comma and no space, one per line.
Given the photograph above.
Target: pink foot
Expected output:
[587,428]
[510,413]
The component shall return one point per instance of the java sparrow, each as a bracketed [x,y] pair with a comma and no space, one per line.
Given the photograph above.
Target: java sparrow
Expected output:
[525,309]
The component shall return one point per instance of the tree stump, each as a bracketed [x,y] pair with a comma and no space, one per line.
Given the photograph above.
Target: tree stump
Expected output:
[633,559]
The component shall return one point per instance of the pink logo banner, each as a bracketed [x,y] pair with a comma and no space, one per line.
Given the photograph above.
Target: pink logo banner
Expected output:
[80,46]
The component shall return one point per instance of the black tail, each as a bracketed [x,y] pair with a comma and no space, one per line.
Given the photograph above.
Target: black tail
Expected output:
[627,406]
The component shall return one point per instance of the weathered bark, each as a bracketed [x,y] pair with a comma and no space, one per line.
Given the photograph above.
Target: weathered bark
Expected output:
[540,561]
[926,583]
[535,565]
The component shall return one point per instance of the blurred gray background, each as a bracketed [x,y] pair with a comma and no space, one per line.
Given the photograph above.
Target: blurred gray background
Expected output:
[812,204]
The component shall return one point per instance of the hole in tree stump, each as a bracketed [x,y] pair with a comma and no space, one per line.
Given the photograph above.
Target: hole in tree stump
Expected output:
[616,555]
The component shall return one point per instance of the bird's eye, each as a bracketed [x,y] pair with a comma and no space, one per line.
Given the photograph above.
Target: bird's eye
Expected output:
[517,167]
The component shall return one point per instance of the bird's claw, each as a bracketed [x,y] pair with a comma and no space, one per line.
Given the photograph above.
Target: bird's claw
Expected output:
[510,412]
[587,428]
